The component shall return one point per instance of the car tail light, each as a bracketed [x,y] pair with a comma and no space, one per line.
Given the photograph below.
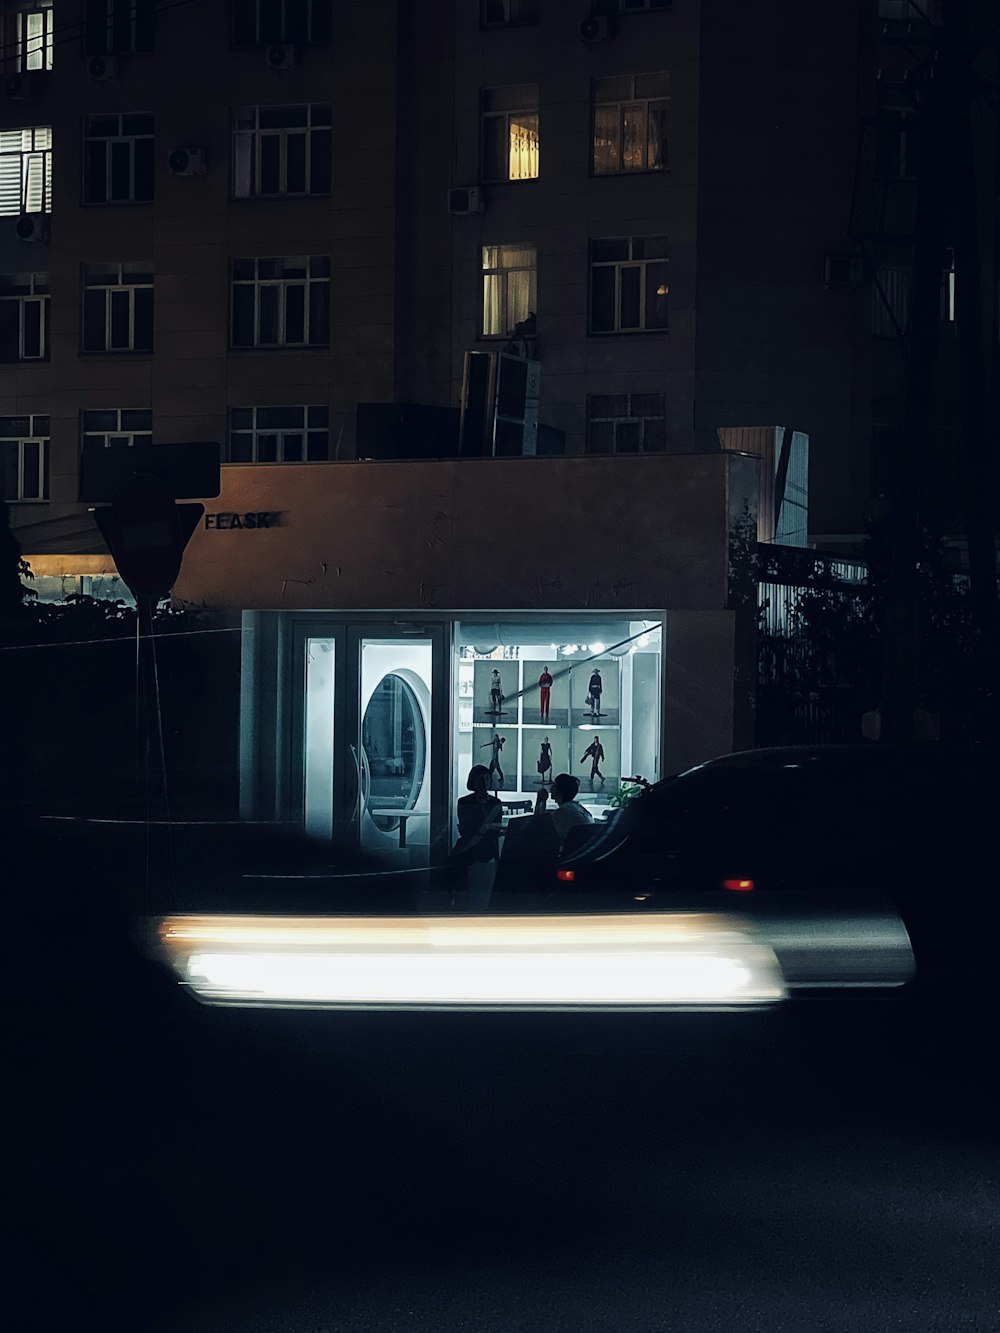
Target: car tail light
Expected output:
[738,885]
[566,875]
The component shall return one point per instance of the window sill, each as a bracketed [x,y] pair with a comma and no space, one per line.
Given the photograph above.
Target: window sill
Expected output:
[116,203]
[627,175]
[280,347]
[129,352]
[24,360]
[25,500]
[276,198]
[627,333]
[524,180]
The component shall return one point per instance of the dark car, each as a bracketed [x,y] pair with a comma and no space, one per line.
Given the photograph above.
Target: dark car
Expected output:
[819,844]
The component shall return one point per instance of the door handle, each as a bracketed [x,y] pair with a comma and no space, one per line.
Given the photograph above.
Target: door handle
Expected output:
[357,784]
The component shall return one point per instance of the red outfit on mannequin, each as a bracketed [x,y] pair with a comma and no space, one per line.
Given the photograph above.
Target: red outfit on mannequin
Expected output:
[544,688]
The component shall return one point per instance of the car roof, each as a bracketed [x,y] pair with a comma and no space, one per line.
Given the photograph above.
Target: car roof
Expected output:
[838,758]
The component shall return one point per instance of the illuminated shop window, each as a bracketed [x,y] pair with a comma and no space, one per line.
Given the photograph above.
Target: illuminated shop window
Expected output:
[558,694]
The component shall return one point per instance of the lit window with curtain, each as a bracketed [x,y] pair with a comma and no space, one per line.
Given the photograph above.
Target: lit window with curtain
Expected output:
[25,171]
[509,292]
[630,123]
[510,133]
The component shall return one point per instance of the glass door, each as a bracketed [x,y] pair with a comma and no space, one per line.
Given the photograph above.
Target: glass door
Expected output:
[375,755]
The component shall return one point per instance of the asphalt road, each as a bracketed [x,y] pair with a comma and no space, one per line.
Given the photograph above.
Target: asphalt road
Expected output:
[179,1169]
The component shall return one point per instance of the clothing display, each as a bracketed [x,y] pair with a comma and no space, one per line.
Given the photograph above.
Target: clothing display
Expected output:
[544,691]
[595,689]
[496,692]
[495,746]
[545,759]
[595,751]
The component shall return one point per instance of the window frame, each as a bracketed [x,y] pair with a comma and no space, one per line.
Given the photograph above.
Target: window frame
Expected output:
[43,301]
[16,40]
[490,115]
[257,430]
[283,284]
[624,8]
[33,437]
[503,273]
[25,156]
[255,137]
[318,30]
[139,16]
[630,417]
[111,289]
[513,17]
[134,434]
[642,264]
[623,105]
[121,137]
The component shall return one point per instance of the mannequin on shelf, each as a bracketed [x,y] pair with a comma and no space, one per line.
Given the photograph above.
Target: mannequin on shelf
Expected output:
[495,745]
[544,691]
[595,750]
[545,761]
[496,694]
[595,688]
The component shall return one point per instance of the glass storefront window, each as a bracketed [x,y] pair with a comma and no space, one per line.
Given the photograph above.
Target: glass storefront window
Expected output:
[557,694]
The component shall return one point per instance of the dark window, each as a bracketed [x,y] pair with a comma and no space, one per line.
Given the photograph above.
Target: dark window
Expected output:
[507,13]
[119,27]
[24,317]
[629,285]
[626,423]
[118,159]
[281,22]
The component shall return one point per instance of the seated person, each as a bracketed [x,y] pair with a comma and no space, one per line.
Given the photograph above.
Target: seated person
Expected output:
[568,813]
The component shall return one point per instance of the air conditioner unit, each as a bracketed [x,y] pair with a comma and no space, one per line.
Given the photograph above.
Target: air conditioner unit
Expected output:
[103,69]
[466,199]
[187,161]
[32,228]
[20,87]
[843,271]
[596,29]
[282,57]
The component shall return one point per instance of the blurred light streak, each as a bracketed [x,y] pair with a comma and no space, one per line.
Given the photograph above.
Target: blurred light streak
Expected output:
[530,962]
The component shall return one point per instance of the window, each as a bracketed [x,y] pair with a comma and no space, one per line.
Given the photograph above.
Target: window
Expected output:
[281,302]
[508,287]
[24,317]
[26,35]
[261,22]
[116,427]
[118,159]
[279,434]
[25,171]
[892,293]
[630,123]
[897,148]
[24,457]
[629,287]
[911,11]
[507,13]
[118,27]
[281,150]
[626,423]
[510,133]
[118,307]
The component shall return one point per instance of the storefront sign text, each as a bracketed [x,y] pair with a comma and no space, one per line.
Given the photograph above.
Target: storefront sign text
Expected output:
[263,519]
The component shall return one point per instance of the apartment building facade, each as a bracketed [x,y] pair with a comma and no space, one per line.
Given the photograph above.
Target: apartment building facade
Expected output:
[237,222]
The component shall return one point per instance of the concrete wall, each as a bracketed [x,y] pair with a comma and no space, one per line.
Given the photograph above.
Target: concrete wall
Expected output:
[559,533]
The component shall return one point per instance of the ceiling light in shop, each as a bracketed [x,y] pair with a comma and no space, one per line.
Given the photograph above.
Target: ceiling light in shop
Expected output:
[597,647]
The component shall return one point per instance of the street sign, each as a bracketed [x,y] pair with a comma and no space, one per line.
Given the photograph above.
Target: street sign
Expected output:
[146,532]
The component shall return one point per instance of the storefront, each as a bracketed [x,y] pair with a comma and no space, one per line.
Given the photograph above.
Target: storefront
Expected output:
[394,633]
